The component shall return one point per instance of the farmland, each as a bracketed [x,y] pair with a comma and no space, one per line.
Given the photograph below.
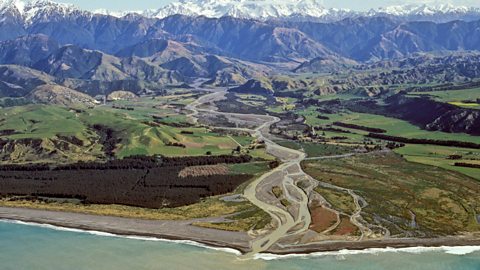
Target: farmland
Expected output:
[425,154]
[144,126]
[367,187]
[443,202]
[393,126]
[462,98]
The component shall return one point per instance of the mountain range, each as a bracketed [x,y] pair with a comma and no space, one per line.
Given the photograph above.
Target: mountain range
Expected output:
[43,42]
[296,10]
[301,10]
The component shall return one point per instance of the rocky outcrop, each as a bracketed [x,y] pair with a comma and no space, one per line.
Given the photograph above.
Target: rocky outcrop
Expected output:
[121,95]
[458,121]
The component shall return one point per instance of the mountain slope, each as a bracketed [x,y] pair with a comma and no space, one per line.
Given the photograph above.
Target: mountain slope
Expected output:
[59,95]
[18,81]
[247,39]
[357,37]
[27,50]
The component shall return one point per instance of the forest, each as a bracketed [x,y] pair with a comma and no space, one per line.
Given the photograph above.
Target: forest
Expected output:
[152,182]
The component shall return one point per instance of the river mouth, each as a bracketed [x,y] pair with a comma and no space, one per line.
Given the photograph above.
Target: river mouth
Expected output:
[291,213]
[286,223]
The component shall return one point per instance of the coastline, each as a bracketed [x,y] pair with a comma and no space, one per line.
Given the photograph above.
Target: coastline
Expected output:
[232,242]
[127,227]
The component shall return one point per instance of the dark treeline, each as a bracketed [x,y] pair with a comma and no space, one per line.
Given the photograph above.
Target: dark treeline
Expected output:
[123,108]
[7,132]
[205,160]
[424,141]
[151,182]
[364,128]
[133,162]
[467,165]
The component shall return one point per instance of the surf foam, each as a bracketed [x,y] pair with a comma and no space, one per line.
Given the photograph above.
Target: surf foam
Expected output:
[131,237]
[453,250]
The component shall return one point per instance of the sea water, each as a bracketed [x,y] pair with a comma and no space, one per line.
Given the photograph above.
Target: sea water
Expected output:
[34,247]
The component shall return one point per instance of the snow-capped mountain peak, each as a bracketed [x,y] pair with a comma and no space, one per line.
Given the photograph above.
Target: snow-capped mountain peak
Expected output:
[294,9]
[408,10]
[43,10]
[39,10]
[436,12]
[8,4]
[30,11]
[259,9]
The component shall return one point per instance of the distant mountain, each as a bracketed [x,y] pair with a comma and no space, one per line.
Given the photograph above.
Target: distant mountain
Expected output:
[436,13]
[18,81]
[249,9]
[36,11]
[300,10]
[98,54]
[358,38]
[27,50]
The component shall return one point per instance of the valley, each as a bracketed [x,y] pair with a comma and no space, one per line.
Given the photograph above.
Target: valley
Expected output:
[263,133]
[310,197]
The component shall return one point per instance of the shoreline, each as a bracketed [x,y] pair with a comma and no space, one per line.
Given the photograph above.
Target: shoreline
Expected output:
[232,242]
[127,227]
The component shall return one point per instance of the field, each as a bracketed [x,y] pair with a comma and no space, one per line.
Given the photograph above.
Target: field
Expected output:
[145,126]
[319,149]
[41,121]
[393,126]
[455,97]
[439,156]
[425,154]
[406,198]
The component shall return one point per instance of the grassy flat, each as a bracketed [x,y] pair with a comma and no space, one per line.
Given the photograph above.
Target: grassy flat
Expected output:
[395,127]
[442,202]
[455,97]
[438,156]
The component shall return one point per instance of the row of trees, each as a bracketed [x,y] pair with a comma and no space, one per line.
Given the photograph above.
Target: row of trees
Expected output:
[467,165]
[425,141]
[133,162]
[359,127]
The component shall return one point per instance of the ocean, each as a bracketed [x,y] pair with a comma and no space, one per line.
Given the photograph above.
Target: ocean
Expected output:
[38,247]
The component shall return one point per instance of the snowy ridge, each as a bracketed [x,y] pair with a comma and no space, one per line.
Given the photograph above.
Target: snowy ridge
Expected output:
[39,10]
[425,10]
[43,10]
[313,9]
